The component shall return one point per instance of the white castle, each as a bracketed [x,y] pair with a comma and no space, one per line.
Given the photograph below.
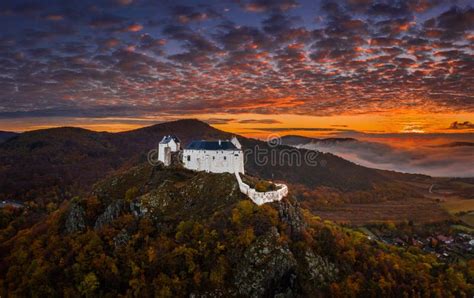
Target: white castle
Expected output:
[221,156]
[210,156]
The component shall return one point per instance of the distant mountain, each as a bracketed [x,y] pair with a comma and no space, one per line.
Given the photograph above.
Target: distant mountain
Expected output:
[292,140]
[5,135]
[455,144]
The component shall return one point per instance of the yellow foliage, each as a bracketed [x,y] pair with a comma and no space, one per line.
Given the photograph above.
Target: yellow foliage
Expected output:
[89,285]
[236,216]
[271,213]
[243,210]
[219,271]
[246,237]
[131,194]
[151,254]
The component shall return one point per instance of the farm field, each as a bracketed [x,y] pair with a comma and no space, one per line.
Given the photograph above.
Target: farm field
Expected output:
[454,206]
[468,218]
[418,210]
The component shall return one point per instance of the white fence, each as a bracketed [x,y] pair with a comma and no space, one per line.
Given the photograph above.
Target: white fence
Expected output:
[260,198]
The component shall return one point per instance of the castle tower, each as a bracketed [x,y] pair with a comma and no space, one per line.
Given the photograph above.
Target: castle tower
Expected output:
[167,145]
[236,142]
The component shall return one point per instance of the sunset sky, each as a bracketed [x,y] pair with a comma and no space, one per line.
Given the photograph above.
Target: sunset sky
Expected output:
[318,68]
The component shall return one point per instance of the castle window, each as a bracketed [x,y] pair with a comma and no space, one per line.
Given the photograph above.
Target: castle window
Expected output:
[225,157]
[189,157]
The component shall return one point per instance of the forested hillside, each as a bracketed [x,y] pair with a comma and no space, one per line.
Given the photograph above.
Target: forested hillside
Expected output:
[5,135]
[151,231]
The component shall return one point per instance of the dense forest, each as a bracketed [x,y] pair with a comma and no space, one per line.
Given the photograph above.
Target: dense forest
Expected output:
[150,231]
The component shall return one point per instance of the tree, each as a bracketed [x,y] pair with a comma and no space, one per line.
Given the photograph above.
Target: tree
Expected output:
[89,285]
[246,237]
[219,271]
[131,194]
[242,212]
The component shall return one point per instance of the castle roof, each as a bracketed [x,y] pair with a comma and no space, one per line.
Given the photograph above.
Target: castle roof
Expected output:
[167,139]
[211,145]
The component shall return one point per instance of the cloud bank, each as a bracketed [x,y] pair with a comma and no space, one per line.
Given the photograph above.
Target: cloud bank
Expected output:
[141,58]
[448,160]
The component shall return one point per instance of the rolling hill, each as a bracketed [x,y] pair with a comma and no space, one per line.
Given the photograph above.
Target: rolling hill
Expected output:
[292,140]
[5,135]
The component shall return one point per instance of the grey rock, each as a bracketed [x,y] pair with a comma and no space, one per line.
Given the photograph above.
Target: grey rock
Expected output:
[321,272]
[111,212]
[121,238]
[152,204]
[137,209]
[267,268]
[141,207]
[290,213]
[75,221]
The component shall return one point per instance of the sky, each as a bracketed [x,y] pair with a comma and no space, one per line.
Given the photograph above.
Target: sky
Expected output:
[365,68]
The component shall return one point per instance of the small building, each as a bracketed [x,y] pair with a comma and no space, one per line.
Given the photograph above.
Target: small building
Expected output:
[166,146]
[214,156]
[444,239]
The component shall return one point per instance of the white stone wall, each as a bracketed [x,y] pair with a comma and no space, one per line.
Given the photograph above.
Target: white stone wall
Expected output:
[260,198]
[215,161]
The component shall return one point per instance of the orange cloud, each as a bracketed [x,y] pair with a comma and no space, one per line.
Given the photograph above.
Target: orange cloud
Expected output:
[134,28]
[54,17]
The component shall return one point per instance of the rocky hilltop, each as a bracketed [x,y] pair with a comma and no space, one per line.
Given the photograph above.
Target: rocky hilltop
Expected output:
[171,232]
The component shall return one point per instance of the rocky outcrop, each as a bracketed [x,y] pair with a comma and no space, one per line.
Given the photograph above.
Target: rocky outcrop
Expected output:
[112,212]
[155,202]
[320,272]
[192,195]
[121,238]
[290,213]
[75,219]
[267,268]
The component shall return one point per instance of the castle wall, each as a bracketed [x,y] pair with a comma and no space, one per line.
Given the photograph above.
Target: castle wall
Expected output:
[260,198]
[215,161]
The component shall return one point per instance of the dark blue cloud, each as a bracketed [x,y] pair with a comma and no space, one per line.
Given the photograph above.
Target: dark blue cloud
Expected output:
[159,57]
